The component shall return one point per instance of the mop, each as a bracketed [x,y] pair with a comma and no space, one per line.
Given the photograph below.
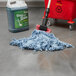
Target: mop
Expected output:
[44,27]
[41,39]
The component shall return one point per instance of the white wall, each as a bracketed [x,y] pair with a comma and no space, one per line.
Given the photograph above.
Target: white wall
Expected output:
[25,0]
[2,0]
[31,3]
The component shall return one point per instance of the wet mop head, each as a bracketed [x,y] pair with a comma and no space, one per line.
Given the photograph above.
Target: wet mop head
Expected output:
[40,41]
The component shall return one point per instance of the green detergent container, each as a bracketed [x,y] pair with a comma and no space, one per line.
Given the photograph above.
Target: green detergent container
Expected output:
[17,13]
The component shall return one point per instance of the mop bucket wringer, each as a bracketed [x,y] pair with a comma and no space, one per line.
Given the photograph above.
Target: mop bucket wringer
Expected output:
[62,9]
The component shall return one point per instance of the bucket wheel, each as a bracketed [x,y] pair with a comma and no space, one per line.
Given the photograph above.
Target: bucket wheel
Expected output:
[51,21]
[71,27]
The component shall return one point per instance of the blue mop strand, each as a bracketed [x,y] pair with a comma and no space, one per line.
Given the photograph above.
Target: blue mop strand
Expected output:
[41,41]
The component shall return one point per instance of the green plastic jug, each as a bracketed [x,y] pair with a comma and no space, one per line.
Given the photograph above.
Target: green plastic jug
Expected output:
[17,13]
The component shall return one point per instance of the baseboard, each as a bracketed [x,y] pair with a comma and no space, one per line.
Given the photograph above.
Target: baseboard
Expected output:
[30,4]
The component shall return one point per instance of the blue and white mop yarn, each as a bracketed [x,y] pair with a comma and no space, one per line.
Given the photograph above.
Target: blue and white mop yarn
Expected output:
[41,41]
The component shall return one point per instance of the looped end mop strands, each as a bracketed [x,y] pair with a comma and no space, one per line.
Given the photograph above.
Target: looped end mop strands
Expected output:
[41,41]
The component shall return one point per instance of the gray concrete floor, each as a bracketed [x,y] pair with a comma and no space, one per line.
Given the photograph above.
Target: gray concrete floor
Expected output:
[17,62]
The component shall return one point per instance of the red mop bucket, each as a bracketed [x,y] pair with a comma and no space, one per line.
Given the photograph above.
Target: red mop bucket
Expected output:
[62,9]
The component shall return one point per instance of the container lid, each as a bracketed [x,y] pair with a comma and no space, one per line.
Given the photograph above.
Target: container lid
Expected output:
[16,3]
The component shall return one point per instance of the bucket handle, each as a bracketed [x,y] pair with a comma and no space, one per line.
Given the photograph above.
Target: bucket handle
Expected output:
[10,2]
